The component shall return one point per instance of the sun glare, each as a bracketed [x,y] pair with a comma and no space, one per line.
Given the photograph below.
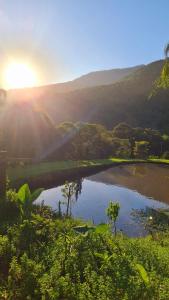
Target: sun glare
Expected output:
[19,75]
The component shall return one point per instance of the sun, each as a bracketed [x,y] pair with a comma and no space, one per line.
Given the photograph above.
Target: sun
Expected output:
[19,75]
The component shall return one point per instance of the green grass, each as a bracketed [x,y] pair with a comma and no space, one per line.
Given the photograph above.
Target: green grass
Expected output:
[29,171]
[159,161]
[19,172]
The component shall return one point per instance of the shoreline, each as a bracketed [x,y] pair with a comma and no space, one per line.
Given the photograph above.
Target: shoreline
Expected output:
[49,174]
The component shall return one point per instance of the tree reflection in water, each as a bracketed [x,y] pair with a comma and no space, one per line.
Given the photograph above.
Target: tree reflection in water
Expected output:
[78,188]
[70,193]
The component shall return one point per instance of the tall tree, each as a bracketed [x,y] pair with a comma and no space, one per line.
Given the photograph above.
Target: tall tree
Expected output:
[166,50]
[163,81]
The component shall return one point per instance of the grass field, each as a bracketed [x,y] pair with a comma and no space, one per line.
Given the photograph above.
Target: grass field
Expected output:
[29,171]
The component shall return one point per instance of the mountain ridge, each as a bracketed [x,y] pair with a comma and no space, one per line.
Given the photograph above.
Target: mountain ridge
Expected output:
[125,100]
[105,77]
[33,120]
[91,79]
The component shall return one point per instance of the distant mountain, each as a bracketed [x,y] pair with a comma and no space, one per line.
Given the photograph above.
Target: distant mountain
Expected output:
[105,77]
[92,79]
[125,100]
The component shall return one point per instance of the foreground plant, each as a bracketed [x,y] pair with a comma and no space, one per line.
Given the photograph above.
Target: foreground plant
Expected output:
[112,213]
[163,81]
[46,257]
[26,199]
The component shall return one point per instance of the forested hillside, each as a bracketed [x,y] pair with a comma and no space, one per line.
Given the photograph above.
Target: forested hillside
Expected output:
[124,101]
[92,79]
[35,117]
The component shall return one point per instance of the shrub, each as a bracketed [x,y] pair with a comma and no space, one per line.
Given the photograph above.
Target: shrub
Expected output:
[141,149]
[165,155]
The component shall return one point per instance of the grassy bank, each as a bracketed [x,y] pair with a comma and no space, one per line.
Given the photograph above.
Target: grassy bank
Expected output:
[31,171]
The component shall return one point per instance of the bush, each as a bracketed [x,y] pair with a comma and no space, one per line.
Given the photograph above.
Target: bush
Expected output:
[165,155]
[46,257]
[141,149]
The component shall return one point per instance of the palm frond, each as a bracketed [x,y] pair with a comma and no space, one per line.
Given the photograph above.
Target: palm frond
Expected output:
[166,51]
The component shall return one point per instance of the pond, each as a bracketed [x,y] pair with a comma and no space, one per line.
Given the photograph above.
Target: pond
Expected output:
[136,187]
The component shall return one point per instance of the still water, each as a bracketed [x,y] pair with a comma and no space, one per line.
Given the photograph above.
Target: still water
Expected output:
[135,187]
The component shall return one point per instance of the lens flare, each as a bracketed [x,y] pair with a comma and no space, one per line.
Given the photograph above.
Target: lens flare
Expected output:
[19,75]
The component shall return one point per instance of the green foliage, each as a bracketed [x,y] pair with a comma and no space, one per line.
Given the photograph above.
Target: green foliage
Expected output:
[141,149]
[9,210]
[163,81]
[77,141]
[102,228]
[69,193]
[123,131]
[44,256]
[24,194]
[142,273]
[58,263]
[165,155]
[89,145]
[166,50]
[26,199]
[113,212]
[83,229]
[17,206]
[123,148]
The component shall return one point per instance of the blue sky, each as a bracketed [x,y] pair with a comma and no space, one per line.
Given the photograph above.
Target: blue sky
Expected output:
[67,38]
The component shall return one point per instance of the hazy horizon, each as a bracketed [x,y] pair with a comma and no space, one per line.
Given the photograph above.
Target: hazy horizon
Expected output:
[82,75]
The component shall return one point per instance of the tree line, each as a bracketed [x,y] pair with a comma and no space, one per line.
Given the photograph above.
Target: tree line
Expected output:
[94,141]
